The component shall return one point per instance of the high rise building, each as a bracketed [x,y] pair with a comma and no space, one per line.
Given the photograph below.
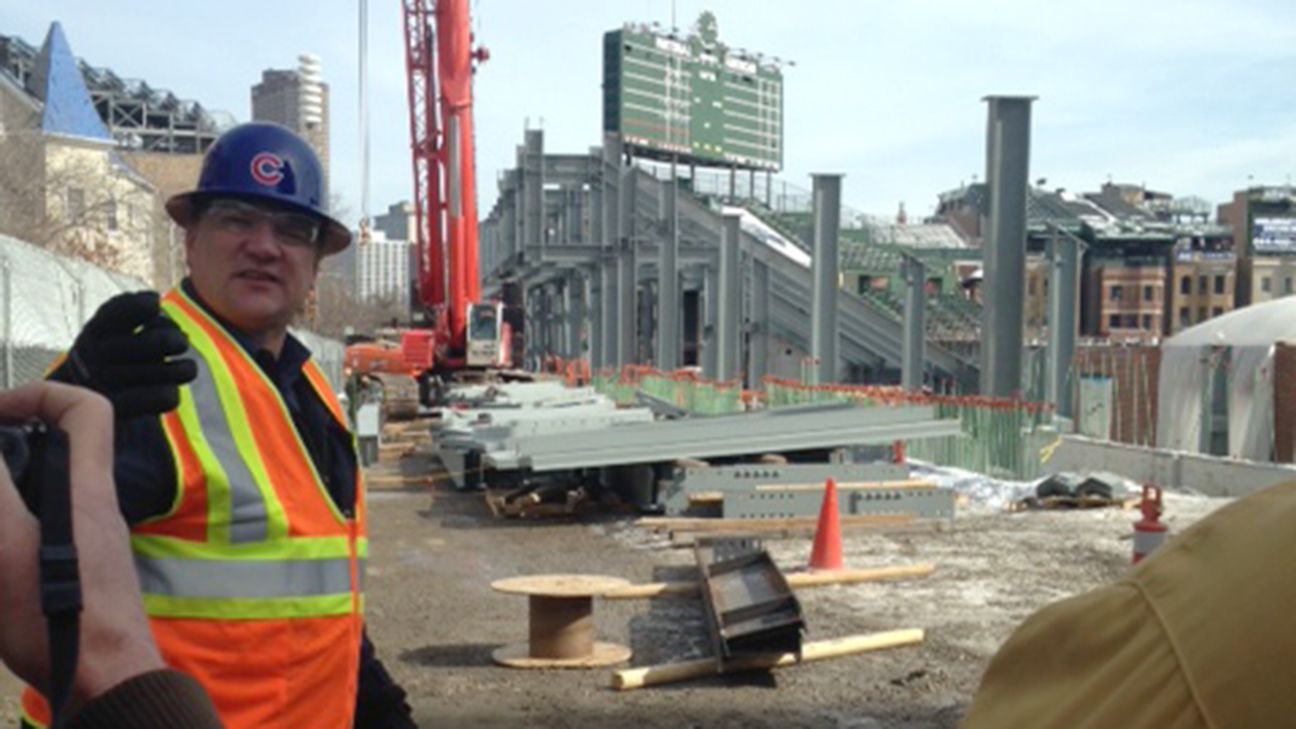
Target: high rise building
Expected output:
[382,271]
[297,99]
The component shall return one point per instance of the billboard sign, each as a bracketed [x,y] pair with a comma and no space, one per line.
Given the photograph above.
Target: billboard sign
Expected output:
[1273,235]
[692,97]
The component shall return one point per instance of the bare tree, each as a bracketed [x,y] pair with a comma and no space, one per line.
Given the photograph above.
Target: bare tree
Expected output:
[334,308]
[73,199]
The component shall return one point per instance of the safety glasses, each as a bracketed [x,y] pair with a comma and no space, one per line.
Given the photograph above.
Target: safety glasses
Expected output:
[238,217]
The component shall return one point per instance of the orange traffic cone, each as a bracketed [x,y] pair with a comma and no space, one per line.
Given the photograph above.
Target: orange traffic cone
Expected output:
[827,551]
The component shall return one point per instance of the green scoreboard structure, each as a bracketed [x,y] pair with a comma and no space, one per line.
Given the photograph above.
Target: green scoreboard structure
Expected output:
[692,98]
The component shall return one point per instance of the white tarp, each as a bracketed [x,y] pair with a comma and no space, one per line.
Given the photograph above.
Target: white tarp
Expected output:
[1095,411]
[1180,384]
[1251,433]
[1189,360]
[45,299]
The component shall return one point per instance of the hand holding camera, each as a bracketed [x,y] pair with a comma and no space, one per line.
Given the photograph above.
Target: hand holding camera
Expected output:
[115,640]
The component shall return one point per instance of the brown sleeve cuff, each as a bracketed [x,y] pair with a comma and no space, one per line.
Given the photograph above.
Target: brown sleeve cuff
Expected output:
[155,700]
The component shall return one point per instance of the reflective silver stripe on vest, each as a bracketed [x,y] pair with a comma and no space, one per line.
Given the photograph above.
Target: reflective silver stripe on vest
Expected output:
[244,578]
[247,505]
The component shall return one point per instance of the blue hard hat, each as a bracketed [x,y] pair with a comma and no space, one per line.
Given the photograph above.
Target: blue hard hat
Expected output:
[263,162]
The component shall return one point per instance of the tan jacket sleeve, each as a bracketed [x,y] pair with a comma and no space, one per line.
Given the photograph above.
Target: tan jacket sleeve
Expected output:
[1202,634]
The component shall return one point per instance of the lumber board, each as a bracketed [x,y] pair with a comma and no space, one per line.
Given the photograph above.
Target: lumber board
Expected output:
[633,678]
[796,580]
[706,497]
[704,524]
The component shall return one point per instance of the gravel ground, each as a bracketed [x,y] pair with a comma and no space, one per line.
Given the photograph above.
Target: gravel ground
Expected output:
[435,619]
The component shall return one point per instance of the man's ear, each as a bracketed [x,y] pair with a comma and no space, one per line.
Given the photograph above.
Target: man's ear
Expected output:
[190,240]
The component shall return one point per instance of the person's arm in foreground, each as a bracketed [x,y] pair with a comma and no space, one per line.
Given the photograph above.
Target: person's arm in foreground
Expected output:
[120,680]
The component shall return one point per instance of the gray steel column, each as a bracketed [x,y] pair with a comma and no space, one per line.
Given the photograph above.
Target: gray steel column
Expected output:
[668,288]
[728,333]
[594,315]
[710,321]
[519,212]
[626,300]
[1004,246]
[546,323]
[823,307]
[610,183]
[1064,269]
[595,201]
[584,324]
[913,354]
[569,316]
[508,214]
[572,215]
[627,273]
[608,308]
[530,339]
[759,345]
[533,188]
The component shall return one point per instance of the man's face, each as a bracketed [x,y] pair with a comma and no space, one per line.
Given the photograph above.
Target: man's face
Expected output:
[253,265]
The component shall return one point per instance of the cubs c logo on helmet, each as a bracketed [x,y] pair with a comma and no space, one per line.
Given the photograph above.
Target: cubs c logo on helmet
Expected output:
[267,169]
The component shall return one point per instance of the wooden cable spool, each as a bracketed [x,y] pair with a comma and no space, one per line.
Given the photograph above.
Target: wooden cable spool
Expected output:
[561,622]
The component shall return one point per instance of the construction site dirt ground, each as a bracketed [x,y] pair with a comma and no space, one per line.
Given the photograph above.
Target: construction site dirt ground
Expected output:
[436,620]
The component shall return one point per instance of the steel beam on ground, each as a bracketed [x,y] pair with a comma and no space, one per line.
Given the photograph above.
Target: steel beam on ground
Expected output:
[1064,268]
[759,327]
[674,494]
[823,312]
[914,356]
[1007,167]
[728,332]
[668,289]
[774,431]
[924,502]
[749,605]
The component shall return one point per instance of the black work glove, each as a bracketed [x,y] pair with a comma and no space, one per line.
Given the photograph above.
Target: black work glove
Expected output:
[124,353]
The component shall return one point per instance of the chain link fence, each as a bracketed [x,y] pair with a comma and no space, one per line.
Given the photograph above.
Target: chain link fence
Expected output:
[45,299]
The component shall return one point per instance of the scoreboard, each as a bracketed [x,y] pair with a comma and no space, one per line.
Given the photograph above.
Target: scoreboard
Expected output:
[692,97]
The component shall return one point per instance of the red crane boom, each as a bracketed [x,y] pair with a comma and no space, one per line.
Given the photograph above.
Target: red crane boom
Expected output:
[439,62]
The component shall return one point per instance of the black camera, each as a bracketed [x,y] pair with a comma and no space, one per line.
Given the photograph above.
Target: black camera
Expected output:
[35,454]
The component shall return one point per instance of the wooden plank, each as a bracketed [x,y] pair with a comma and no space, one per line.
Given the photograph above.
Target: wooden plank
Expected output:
[702,498]
[796,580]
[703,524]
[633,678]
[423,480]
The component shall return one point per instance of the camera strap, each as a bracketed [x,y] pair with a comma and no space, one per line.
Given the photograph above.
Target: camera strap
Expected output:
[60,580]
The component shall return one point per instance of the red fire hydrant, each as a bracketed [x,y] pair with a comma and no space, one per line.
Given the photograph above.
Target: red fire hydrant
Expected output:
[1149,532]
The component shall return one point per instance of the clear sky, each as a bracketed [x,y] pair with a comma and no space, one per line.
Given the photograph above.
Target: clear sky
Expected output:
[1187,96]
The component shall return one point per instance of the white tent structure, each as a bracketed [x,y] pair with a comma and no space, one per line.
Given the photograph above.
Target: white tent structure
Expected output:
[45,299]
[1242,342]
